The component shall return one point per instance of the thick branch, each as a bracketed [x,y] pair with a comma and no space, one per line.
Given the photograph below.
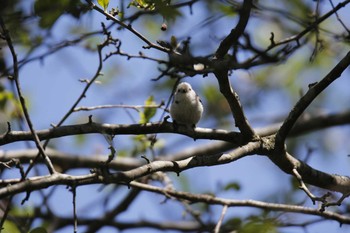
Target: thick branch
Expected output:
[36,183]
[134,129]
[287,163]
[303,126]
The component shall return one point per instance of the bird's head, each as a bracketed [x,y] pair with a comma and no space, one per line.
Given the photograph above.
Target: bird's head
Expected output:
[183,88]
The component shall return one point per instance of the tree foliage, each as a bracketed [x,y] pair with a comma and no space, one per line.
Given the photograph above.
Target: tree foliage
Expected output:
[273,77]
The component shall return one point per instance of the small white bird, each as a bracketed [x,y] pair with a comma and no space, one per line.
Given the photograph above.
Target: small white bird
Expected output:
[186,108]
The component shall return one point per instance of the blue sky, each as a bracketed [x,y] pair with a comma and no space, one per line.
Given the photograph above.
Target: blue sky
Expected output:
[52,86]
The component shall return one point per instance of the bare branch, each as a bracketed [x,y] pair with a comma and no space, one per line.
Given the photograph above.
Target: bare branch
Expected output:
[35,183]
[74,191]
[312,176]
[209,199]
[306,100]
[83,94]
[218,225]
[235,33]
[6,211]
[133,129]
[287,163]
[67,161]
[135,107]
[22,100]
[339,19]
[234,103]
[306,190]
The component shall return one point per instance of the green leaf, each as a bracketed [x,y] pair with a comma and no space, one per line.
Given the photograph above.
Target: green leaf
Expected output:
[10,227]
[148,113]
[50,11]
[161,6]
[258,224]
[234,185]
[4,98]
[233,223]
[143,4]
[228,10]
[103,3]
[166,10]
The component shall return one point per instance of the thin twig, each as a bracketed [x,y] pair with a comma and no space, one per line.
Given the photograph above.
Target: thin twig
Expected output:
[337,203]
[135,107]
[218,225]
[22,100]
[83,94]
[5,212]
[339,19]
[308,29]
[128,27]
[318,41]
[303,187]
[74,191]
[212,200]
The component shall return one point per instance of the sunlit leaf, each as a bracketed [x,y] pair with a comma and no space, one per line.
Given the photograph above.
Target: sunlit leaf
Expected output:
[103,3]
[4,98]
[148,113]
[10,227]
[161,6]
[142,4]
[228,10]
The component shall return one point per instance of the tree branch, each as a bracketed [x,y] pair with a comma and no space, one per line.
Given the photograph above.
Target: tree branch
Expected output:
[234,103]
[287,163]
[133,129]
[235,34]
[67,161]
[302,126]
[306,100]
[35,183]
[22,100]
[212,200]
[128,27]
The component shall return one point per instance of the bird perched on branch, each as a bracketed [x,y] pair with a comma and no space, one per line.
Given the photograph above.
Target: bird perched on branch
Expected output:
[186,108]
